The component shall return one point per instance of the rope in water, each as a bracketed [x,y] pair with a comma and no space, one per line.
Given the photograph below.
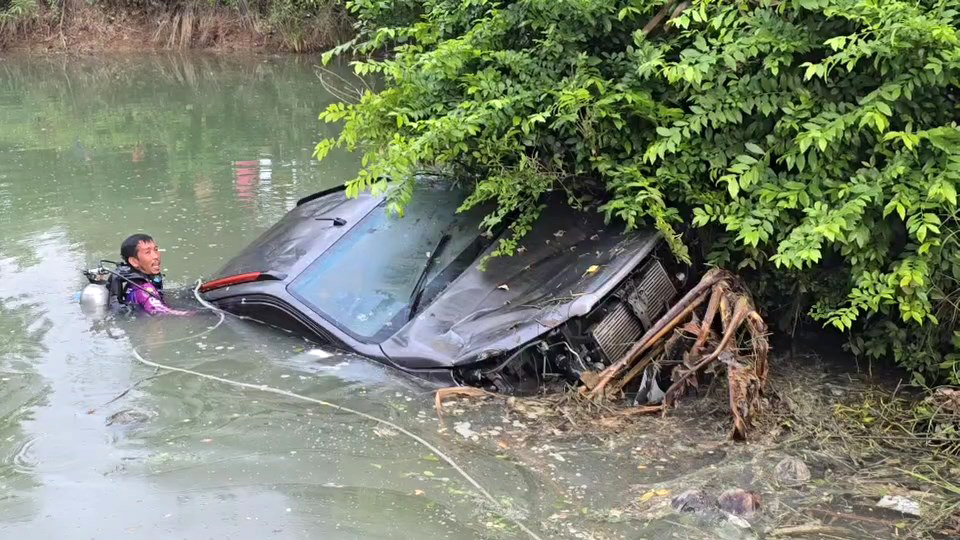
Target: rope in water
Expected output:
[269,389]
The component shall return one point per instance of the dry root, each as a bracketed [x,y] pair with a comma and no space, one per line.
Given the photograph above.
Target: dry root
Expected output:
[737,344]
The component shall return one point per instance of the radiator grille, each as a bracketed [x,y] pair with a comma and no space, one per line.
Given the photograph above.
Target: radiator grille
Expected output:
[650,298]
[636,307]
[617,331]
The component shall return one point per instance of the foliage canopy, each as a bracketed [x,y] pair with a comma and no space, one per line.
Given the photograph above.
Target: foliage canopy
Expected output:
[811,143]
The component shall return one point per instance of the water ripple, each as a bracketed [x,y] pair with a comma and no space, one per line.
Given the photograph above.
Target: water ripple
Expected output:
[22,460]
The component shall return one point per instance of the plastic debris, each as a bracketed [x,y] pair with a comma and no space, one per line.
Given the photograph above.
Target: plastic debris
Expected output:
[792,472]
[900,504]
[463,429]
[694,500]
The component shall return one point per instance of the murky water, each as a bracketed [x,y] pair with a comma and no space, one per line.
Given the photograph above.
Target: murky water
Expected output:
[203,153]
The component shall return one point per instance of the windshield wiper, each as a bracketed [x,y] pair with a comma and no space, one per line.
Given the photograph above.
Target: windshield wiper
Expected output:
[417,293]
[337,221]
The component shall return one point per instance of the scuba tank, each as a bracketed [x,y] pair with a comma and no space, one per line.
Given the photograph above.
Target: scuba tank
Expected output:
[95,298]
[126,277]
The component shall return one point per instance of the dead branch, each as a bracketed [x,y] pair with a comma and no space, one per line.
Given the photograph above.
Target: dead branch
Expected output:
[657,19]
[740,352]
[718,291]
[807,530]
[672,8]
[444,393]
[678,383]
[671,319]
[637,369]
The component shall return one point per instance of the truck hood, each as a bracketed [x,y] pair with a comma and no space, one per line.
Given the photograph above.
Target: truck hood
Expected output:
[566,265]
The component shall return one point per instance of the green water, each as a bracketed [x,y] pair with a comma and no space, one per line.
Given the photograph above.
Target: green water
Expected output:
[203,153]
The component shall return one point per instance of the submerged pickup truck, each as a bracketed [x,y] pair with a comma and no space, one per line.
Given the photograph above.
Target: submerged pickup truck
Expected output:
[420,293]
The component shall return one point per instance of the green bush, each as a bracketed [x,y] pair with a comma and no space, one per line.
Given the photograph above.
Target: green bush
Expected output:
[14,10]
[812,144]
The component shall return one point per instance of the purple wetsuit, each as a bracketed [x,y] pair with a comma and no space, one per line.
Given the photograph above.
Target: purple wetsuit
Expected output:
[150,300]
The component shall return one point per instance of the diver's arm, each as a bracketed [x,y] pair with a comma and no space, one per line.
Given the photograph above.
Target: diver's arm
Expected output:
[148,298]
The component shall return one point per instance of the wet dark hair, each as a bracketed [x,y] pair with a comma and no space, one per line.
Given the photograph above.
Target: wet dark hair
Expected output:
[129,246]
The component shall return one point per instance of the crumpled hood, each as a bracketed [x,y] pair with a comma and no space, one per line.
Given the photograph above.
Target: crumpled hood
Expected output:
[567,264]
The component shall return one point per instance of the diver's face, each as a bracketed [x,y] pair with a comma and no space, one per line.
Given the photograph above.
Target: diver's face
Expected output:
[147,259]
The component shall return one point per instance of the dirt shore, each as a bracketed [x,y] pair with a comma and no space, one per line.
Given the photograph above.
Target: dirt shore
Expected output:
[82,28]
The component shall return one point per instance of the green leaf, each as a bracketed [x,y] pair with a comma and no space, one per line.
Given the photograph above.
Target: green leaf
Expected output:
[754,148]
[949,192]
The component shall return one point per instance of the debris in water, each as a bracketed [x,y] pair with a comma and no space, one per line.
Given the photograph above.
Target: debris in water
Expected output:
[381,431]
[900,504]
[792,472]
[738,521]
[444,393]
[686,345]
[463,429]
[653,493]
[739,502]
[128,417]
[694,500]
[740,347]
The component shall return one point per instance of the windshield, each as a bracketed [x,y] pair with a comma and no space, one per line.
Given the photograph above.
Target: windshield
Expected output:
[363,283]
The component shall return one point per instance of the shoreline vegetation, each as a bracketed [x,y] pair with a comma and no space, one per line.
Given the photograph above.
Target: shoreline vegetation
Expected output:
[80,26]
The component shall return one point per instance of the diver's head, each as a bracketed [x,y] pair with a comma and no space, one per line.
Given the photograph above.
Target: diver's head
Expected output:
[140,252]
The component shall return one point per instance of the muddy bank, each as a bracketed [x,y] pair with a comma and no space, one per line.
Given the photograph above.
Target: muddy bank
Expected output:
[80,27]
[816,466]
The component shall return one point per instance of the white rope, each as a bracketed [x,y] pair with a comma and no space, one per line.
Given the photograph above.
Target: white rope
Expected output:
[269,389]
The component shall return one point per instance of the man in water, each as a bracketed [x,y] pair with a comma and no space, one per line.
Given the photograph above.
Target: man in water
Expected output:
[141,283]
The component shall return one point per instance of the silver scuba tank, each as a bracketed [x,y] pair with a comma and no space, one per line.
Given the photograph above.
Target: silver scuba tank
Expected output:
[94,296]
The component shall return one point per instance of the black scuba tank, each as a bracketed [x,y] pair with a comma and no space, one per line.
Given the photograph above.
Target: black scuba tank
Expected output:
[126,277]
